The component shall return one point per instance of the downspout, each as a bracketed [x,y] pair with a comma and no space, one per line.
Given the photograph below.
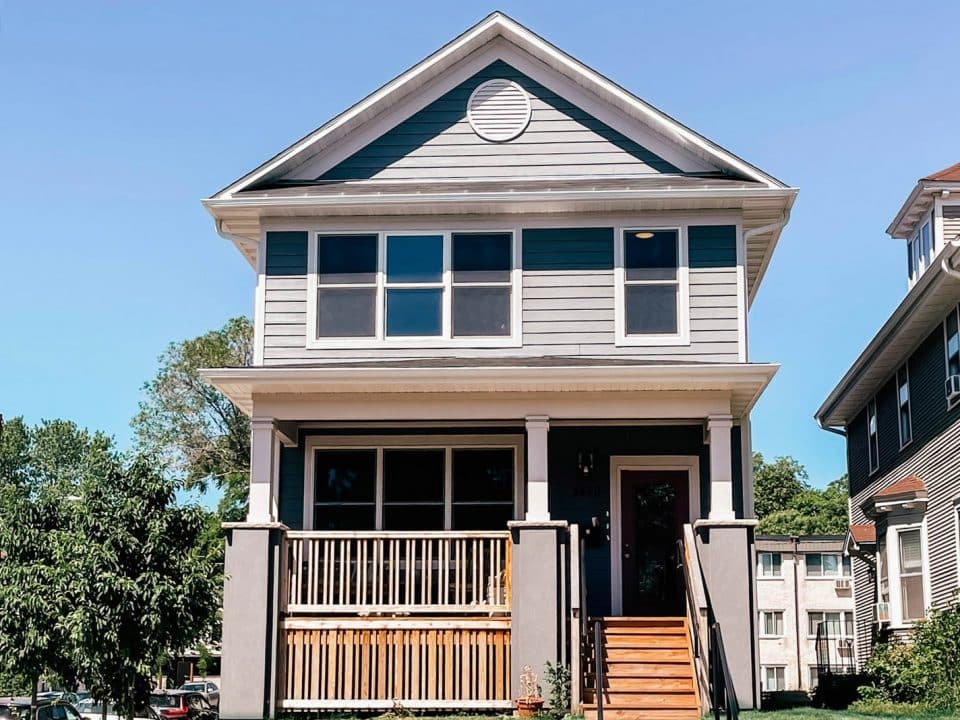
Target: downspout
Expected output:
[770,227]
[842,432]
[796,607]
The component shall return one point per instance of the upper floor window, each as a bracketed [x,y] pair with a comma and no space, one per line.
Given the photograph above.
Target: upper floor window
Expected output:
[903,405]
[837,624]
[873,439]
[911,574]
[919,252]
[771,623]
[770,564]
[653,290]
[827,565]
[952,332]
[424,286]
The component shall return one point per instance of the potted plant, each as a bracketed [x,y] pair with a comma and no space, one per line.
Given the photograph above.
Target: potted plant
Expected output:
[530,703]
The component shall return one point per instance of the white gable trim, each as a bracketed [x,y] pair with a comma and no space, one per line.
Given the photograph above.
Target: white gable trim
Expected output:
[492,26]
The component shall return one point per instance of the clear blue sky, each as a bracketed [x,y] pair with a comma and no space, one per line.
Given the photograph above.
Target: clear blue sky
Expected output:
[117,118]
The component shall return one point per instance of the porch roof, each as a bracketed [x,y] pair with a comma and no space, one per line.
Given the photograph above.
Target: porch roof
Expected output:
[743,383]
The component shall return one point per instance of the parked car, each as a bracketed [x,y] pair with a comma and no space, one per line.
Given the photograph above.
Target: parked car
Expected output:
[90,709]
[182,705]
[61,695]
[18,708]
[206,688]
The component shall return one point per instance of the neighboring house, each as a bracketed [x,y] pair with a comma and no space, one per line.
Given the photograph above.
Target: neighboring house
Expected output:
[899,408]
[501,379]
[803,584]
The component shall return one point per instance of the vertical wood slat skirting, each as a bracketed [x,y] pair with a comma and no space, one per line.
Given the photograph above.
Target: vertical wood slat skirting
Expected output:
[422,572]
[381,663]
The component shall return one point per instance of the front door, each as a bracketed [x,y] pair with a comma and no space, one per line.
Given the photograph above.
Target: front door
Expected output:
[655,504]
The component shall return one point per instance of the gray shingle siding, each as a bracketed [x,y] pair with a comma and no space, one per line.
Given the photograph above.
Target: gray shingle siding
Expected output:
[286,253]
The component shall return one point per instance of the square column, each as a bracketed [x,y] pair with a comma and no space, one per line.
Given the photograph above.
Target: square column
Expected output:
[264,471]
[719,429]
[538,499]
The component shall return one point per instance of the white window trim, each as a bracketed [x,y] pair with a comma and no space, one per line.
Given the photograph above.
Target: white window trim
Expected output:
[763,676]
[446,339]
[894,529]
[946,350]
[843,628]
[682,336]
[783,615]
[876,417]
[905,369]
[920,261]
[448,443]
[824,576]
[760,575]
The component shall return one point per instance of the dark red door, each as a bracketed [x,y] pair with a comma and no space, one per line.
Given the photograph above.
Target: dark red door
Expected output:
[654,507]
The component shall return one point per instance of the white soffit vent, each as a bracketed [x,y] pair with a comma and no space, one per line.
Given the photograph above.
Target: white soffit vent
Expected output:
[499,110]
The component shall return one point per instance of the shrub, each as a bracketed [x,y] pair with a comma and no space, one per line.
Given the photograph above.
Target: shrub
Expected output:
[558,676]
[925,672]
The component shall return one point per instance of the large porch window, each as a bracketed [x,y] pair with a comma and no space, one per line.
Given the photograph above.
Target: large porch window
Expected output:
[412,483]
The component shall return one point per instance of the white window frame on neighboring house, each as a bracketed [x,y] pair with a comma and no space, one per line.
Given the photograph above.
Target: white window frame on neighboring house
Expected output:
[780,678]
[776,573]
[682,282]
[873,436]
[920,251]
[891,548]
[952,358]
[844,566]
[904,409]
[772,615]
[446,338]
[844,617]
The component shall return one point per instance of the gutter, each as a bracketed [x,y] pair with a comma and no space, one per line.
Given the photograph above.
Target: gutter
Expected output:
[947,265]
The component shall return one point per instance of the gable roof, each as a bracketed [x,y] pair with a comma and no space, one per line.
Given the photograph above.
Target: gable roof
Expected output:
[921,199]
[950,174]
[863,534]
[493,27]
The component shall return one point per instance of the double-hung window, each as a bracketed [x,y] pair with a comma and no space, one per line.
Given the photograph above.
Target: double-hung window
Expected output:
[827,565]
[873,439]
[952,333]
[770,565]
[400,287]
[903,406]
[653,287]
[773,678]
[771,623]
[838,624]
[911,574]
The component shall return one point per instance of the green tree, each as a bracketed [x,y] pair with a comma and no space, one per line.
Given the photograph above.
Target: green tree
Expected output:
[786,504]
[776,484]
[39,479]
[149,585]
[202,436]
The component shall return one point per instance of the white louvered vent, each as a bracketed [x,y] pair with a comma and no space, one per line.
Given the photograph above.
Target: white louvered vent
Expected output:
[498,110]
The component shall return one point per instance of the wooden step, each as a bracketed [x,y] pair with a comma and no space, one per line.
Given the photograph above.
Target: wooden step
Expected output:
[646,641]
[641,669]
[644,655]
[644,630]
[590,713]
[619,683]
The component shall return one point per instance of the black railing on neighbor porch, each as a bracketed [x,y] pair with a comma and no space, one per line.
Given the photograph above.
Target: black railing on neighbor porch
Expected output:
[835,654]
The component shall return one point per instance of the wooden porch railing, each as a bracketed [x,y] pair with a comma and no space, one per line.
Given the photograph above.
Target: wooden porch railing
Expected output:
[385,573]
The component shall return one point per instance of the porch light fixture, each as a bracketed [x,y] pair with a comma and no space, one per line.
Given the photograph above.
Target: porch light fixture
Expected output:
[646,235]
[585,463]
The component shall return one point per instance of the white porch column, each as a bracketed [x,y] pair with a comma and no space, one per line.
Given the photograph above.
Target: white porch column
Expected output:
[538,507]
[264,471]
[721,467]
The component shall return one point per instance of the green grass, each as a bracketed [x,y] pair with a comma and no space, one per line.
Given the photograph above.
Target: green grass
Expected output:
[887,711]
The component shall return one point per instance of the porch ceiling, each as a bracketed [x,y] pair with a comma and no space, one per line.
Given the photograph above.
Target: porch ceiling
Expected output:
[738,385]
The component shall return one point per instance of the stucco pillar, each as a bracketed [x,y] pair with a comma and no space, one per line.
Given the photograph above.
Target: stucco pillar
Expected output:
[538,497]
[264,471]
[719,429]
[726,549]
[537,598]
[248,673]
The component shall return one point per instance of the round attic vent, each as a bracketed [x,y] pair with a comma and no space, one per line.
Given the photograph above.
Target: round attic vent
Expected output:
[498,110]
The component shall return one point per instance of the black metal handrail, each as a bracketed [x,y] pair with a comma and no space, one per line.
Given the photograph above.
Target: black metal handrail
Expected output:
[598,664]
[723,694]
[825,663]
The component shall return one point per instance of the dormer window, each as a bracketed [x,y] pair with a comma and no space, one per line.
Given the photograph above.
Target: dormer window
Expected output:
[919,252]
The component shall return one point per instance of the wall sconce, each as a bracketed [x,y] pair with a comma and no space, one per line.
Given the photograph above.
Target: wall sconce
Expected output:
[585,461]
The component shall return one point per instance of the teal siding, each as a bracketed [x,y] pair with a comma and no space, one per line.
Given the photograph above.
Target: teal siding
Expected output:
[568,249]
[446,113]
[712,246]
[291,487]
[286,253]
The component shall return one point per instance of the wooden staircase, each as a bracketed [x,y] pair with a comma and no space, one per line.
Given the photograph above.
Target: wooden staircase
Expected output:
[648,671]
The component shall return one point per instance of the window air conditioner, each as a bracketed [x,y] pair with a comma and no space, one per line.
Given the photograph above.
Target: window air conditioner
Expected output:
[842,583]
[881,613]
[953,388]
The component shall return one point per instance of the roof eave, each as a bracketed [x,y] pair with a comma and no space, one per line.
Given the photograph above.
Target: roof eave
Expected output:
[898,228]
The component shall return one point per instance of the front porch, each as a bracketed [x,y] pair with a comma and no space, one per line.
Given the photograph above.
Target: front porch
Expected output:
[399,587]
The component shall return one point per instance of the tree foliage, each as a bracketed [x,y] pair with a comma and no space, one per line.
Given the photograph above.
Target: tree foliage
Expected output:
[193,426]
[786,504]
[102,574]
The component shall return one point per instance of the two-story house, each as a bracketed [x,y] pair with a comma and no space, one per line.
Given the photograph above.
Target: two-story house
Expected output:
[500,398]
[805,601]
[899,408]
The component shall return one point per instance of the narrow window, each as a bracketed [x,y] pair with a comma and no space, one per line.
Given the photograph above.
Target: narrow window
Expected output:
[953,342]
[814,677]
[903,402]
[414,304]
[652,283]
[771,623]
[910,266]
[482,488]
[344,490]
[883,570]
[814,563]
[911,574]
[926,248]
[770,564]
[347,292]
[847,566]
[872,436]
[413,483]
[482,284]
[915,250]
